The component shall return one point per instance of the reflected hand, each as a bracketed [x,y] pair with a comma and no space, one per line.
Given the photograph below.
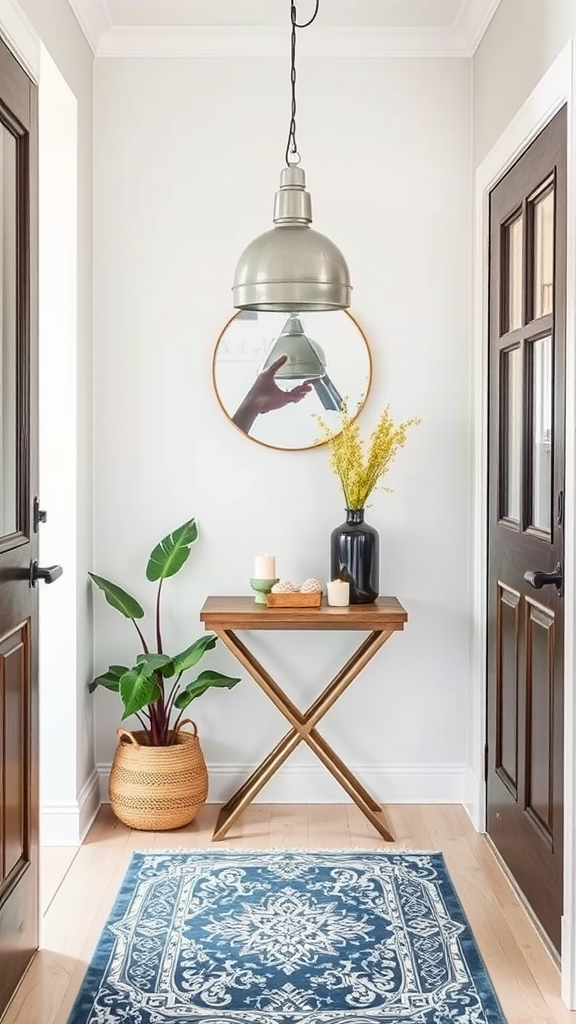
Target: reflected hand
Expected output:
[265,396]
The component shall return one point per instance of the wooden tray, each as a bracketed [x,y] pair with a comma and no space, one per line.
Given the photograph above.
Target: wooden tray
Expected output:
[294,600]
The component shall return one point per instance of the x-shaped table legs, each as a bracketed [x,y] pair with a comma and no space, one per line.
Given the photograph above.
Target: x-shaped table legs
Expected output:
[303,730]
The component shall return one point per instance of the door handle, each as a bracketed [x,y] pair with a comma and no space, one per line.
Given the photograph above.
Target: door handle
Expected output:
[47,573]
[538,579]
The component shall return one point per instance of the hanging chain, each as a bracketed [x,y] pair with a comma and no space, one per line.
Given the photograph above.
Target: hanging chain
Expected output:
[292,154]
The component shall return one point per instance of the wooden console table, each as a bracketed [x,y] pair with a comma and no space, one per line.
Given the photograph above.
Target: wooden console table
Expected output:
[225,615]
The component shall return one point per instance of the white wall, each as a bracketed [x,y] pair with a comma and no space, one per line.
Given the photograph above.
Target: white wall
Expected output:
[59,31]
[521,42]
[188,153]
[58,482]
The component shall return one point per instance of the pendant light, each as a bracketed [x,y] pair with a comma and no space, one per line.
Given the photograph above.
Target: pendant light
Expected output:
[292,268]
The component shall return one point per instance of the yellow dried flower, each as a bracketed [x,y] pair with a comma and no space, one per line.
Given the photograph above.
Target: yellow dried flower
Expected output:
[358,474]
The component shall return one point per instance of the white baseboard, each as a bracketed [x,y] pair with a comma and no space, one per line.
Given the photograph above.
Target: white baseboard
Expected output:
[304,784]
[472,802]
[66,824]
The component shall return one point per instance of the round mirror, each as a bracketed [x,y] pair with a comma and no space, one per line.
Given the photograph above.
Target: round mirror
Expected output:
[276,373]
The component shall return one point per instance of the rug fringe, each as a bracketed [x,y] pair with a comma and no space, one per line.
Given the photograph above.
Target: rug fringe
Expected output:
[218,848]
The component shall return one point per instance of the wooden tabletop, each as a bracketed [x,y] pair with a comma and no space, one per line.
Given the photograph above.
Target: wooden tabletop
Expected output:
[244,613]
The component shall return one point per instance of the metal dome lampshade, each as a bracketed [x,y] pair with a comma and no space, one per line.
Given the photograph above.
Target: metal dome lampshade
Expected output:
[292,268]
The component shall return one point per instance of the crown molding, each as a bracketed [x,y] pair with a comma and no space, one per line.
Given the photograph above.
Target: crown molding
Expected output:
[20,37]
[94,19]
[272,42]
[472,21]
[109,40]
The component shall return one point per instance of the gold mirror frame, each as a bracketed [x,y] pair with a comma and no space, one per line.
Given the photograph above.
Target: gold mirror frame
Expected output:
[276,447]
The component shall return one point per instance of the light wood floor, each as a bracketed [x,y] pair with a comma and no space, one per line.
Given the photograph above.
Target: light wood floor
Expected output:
[524,975]
[54,864]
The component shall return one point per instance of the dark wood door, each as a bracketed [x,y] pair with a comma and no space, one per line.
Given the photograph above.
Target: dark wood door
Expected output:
[18,539]
[526,501]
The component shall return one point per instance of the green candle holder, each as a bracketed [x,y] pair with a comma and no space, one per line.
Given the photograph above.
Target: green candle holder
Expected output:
[262,587]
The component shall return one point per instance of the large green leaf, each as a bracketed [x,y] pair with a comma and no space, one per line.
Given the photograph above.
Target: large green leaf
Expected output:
[118,598]
[156,661]
[110,680]
[192,655]
[205,681]
[138,689]
[171,553]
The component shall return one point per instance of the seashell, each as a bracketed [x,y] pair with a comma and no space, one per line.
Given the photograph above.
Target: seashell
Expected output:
[284,587]
[311,586]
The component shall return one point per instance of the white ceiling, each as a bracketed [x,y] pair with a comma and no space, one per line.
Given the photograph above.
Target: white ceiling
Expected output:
[333,13]
[347,27]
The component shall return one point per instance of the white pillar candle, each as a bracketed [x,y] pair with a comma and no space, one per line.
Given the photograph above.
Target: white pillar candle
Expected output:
[265,567]
[338,593]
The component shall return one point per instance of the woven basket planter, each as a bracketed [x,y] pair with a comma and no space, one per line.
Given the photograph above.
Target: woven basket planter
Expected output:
[158,788]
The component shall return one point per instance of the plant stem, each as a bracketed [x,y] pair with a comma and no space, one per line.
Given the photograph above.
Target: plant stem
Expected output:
[141,635]
[344,488]
[158,631]
[160,714]
[165,723]
[160,684]
[155,733]
[172,695]
[177,722]
[143,724]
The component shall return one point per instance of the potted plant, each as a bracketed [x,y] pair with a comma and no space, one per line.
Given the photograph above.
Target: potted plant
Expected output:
[158,778]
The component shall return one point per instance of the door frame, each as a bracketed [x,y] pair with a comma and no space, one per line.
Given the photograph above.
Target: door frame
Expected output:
[556,88]
[20,37]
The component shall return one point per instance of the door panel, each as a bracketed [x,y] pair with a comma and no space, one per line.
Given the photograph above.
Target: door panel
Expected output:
[507,681]
[526,482]
[14,660]
[540,738]
[18,539]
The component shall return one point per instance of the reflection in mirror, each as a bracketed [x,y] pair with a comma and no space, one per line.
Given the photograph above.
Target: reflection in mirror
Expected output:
[274,373]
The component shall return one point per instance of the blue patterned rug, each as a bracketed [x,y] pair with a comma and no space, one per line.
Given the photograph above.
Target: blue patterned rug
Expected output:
[287,937]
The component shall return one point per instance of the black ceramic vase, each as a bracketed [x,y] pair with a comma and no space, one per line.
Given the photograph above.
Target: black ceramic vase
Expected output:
[355,556]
